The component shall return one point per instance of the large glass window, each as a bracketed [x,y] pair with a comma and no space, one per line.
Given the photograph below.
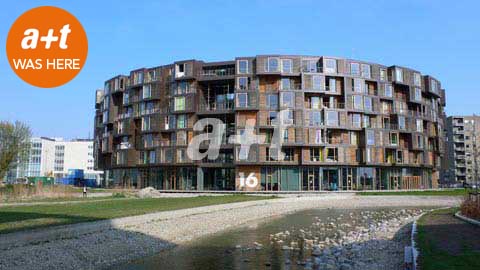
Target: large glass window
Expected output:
[357,102]
[315,103]
[434,86]
[287,99]
[355,69]
[315,118]
[147,91]
[357,120]
[272,101]
[272,64]
[366,71]
[417,79]
[418,94]
[398,74]
[242,100]
[317,82]
[318,136]
[332,85]
[287,65]
[285,84]
[315,154]
[401,122]
[388,90]
[332,118]
[145,123]
[272,116]
[383,74]
[330,65]
[243,83]
[287,117]
[181,121]
[358,85]
[243,66]
[419,125]
[368,104]
[370,134]
[179,103]
[309,65]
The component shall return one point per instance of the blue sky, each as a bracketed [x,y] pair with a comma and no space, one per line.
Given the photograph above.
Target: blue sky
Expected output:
[439,38]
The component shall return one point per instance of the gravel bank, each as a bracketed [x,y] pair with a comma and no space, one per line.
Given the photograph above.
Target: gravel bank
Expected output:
[106,243]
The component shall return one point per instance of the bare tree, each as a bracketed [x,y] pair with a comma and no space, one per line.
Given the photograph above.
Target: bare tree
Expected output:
[14,145]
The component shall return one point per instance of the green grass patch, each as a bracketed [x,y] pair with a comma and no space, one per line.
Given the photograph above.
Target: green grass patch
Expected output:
[16,218]
[432,257]
[447,192]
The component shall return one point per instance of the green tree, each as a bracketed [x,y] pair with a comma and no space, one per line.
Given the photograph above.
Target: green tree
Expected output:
[14,145]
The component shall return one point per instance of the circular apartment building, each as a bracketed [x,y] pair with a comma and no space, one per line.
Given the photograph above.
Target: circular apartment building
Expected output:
[352,125]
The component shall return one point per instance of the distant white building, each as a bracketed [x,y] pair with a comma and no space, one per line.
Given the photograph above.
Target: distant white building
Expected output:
[55,157]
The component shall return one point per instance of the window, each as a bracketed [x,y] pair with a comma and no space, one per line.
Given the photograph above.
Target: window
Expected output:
[179,104]
[383,74]
[243,66]
[289,154]
[355,69]
[388,90]
[366,121]
[401,122]
[332,154]
[358,85]
[370,135]
[287,117]
[315,154]
[332,118]
[394,139]
[418,94]
[357,102]
[287,99]
[332,85]
[242,83]
[419,141]
[242,100]
[272,116]
[330,65]
[183,88]
[272,65]
[354,139]
[398,74]
[315,118]
[272,101]
[366,71]
[181,121]
[417,79]
[317,82]
[285,135]
[419,125]
[152,156]
[315,103]
[368,155]
[318,136]
[368,104]
[145,123]
[126,98]
[309,65]
[285,84]
[287,65]
[399,156]
[434,86]
[357,120]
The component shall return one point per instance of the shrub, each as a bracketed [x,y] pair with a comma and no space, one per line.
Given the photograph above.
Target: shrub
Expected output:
[471,207]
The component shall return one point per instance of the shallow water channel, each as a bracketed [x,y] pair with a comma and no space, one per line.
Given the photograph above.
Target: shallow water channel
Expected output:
[279,243]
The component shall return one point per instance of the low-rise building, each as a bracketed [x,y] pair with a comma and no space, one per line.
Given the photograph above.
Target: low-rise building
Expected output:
[55,157]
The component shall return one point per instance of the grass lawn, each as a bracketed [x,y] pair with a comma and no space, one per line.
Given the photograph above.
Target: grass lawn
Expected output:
[447,243]
[16,218]
[446,192]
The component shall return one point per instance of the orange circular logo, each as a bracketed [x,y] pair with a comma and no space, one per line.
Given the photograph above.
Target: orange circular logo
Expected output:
[47,46]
